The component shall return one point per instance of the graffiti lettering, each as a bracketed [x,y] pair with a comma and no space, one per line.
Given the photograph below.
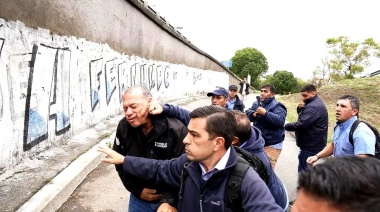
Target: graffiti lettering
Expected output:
[197,77]
[166,76]
[1,93]
[123,79]
[175,75]
[134,73]
[110,77]
[2,40]
[159,74]
[95,73]
[47,95]
[151,77]
[143,75]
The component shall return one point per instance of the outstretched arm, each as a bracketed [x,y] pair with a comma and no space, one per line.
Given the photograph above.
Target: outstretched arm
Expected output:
[113,156]
[159,171]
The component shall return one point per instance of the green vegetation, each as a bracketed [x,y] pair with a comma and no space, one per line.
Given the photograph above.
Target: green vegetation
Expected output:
[366,89]
[49,180]
[284,81]
[345,59]
[249,61]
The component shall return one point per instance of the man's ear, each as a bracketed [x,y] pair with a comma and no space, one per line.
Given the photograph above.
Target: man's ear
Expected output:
[355,112]
[219,143]
[235,141]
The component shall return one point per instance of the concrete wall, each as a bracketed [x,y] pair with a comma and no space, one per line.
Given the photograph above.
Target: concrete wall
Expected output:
[65,64]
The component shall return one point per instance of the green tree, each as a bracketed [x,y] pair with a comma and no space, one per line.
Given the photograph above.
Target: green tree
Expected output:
[249,61]
[348,58]
[284,81]
[374,45]
[322,74]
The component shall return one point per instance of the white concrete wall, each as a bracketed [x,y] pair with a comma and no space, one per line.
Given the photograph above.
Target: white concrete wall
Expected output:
[52,87]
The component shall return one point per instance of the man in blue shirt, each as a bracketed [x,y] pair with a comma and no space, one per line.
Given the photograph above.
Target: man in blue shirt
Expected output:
[234,102]
[347,110]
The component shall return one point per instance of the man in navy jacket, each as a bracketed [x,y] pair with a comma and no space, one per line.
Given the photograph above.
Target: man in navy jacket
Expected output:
[311,126]
[209,160]
[249,138]
[269,115]
[234,102]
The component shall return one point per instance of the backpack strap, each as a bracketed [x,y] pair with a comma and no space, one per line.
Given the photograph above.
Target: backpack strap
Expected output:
[254,162]
[184,174]
[233,190]
[352,130]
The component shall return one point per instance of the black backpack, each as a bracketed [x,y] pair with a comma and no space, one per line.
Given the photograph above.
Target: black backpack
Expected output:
[233,190]
[374,130]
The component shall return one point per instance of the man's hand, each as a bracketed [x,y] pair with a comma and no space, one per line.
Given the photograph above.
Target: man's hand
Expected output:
[261,111]
[165,207]
[311,160]
[155,108]
[113,156]
[148,194]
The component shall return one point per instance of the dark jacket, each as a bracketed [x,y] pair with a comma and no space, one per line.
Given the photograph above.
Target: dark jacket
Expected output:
[272,123]
[178,113]
[211,196]
[255,145]
[238,104]
[246,88]
[164,141]
[311,126]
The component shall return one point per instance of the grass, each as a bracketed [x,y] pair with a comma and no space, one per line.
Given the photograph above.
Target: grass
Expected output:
[366,89]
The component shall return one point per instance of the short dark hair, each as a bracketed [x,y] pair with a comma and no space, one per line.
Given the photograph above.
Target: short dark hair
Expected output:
[271,87]
[243,129]
[219,122]
[354,101]
[348,183]
[308,88]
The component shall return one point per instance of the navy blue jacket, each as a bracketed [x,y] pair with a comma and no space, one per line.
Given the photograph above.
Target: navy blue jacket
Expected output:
[238,104]
[255,145]
[177,112]
[211,196]
[272,123]
[311,126]
[180,113]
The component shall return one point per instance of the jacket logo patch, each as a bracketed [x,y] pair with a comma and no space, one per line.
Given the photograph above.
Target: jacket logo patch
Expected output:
[117,141]
[215,203]
[161,145]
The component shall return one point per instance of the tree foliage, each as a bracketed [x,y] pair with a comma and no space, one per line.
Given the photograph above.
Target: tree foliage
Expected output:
[284,81]
[249,61]
[348,58]
[322,74]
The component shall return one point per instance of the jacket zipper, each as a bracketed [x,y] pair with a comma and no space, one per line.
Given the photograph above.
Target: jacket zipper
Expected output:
[200,204]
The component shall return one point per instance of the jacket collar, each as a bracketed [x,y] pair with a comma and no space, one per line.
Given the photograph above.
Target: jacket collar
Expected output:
[311,99]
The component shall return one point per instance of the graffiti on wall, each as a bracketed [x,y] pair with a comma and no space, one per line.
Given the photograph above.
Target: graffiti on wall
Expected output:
[1,92]
[110,78]
[41,80]
[158,75]
[95,69]
[1,45]
[123,80]
[197,77]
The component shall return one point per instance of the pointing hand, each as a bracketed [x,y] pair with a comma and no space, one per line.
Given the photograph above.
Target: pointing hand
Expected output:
[112,156]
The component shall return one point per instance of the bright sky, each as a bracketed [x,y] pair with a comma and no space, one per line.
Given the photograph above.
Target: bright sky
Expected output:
[290,33]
